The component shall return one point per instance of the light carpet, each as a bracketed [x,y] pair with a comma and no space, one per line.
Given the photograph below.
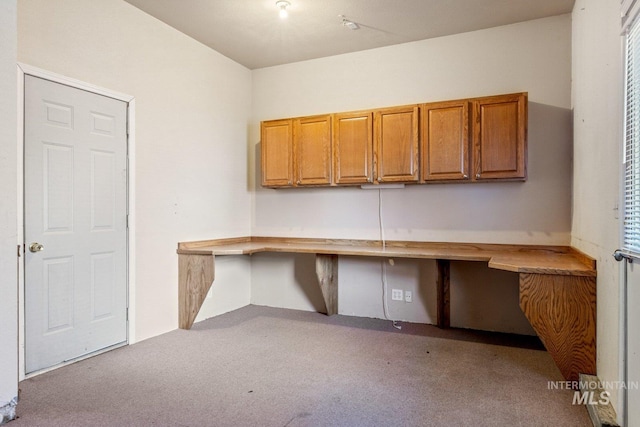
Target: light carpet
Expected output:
[260,366]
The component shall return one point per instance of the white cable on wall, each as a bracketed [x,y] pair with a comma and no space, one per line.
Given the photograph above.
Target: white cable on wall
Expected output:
[383,263]
[380,222]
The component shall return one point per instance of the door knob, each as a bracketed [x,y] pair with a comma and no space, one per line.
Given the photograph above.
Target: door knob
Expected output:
[36,247]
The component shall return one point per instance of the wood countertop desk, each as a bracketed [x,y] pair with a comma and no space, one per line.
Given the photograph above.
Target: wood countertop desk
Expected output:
[557,283]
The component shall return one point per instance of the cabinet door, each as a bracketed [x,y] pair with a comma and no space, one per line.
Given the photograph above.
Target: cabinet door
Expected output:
[277,153]
[396,135]
[312,148]
[445,141]
[500,137]
[353,148]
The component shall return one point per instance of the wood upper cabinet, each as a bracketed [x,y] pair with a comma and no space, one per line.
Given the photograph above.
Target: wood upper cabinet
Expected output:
[467,140]
[277,153]
[353,148]
[312,148]
[296,152]
[396,144]
[444,141]
[500,137]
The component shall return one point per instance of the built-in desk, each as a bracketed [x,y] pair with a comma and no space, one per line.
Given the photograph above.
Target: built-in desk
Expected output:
[557,283]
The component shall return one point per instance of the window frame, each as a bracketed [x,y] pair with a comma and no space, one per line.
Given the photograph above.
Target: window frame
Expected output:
[630,191]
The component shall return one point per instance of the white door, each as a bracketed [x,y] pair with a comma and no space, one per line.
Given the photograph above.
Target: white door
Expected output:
[75,182]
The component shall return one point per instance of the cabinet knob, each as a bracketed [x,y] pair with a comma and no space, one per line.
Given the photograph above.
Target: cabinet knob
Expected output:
[478,176]
[379,179]
[298,182]
[465,176]
[369,179]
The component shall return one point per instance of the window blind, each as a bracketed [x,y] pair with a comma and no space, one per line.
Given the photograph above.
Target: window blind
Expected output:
[631,225]
[628,11]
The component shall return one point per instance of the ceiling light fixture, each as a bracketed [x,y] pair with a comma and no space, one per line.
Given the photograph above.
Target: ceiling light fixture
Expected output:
[349,24]
[283,5]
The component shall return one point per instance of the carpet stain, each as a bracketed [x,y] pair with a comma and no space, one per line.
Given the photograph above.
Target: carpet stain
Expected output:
[300,415]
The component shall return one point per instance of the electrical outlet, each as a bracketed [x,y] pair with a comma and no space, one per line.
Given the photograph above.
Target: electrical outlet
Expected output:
[396,294]
[408,296]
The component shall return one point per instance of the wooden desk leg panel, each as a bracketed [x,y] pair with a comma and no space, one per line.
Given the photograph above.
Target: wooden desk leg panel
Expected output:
[195,276]
[562,311]
[327,272]
[443,293]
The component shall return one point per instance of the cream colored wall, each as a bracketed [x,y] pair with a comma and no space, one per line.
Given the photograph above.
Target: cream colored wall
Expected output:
[597,104]
[192,109]
[8,211]
[532,56]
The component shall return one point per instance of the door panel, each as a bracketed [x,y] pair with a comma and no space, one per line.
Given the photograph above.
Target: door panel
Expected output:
[312,145]
[58,183]
[58,287]
[277,153]
[75,207]
[500,137]
[353,148]
[445,141]
[396,134]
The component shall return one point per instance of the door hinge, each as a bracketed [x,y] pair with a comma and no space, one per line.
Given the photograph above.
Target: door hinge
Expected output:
[127,314]
[19,252]
[127,220]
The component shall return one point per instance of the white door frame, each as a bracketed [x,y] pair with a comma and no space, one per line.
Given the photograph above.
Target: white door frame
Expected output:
[24,69]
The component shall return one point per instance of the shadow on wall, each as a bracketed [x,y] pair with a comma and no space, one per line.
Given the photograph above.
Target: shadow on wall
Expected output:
[427,291]
[304,272]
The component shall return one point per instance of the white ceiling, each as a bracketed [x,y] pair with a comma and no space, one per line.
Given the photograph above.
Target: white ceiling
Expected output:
[250,31]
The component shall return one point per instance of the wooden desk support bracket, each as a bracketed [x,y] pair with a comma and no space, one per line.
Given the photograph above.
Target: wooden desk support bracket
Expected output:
[443,293]
[562,311]
[327,272]
[195,276]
